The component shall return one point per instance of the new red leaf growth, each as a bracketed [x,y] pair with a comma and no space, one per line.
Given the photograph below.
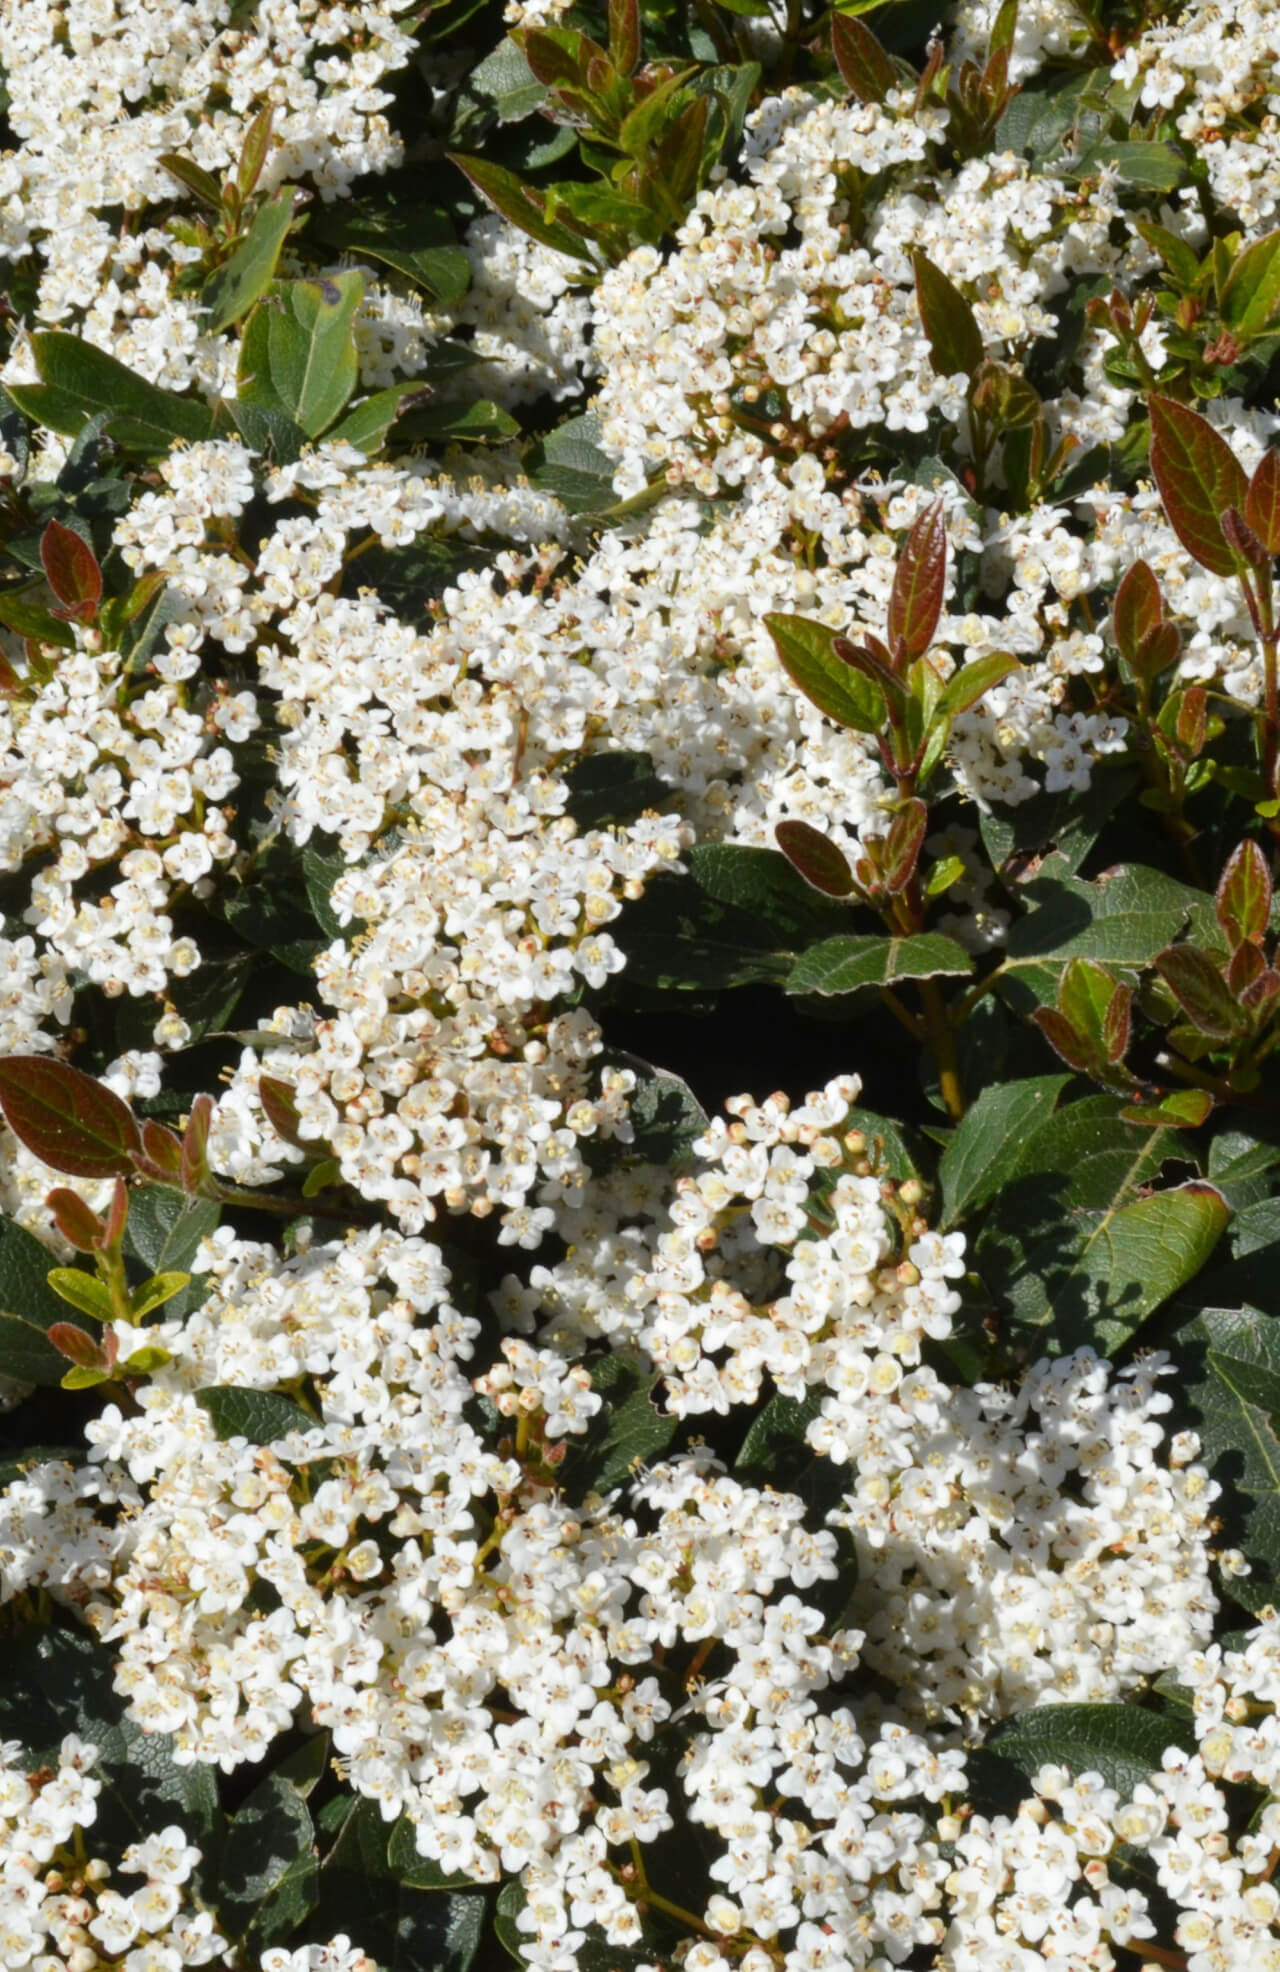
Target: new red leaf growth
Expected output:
[919,583]
[63,1116]
[1199,477]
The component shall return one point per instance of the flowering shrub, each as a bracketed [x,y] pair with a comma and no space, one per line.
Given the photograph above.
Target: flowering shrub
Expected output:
[559,565]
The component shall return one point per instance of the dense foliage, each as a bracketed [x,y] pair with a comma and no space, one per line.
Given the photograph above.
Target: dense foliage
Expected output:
[555,568]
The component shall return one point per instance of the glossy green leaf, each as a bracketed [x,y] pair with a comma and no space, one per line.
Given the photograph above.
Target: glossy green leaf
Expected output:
[1152,167]
[261,1416]
[629,1431]
[805,652]
[1122,919]
[84,1291]
[60,1679]
[29,1307]
[1108,1270]
[1232,1387]
[955,340]
[1199,477]
[505,193]
[1121,1742]
[973,681]
[78,381]
[298,352]
[366,424]
[843,965]
[232,289]
[391,223]
[156,1291]
[1250,300]
[988,1146]
[269,1880]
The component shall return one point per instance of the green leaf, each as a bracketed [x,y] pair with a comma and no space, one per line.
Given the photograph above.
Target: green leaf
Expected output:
[1235,1404]
[59,1680]
[165,1229]
[74,1123]
[614,787]
[955,340]
[665,1114]
[393,224]
[842,965]
[154,1293]
[366,425]
[29,1308]
[301,331]
[1238,1165]
[260,1416]
[627,1431]
[973,681]
[522,206]
[84,1291]
[1250,298]
[1199,477]
[269,1880]
[1122,1743]
[989,1144]
[1153,167]
[1122,919]
[415,1871]
[570,464]
[505,80]
[479,420]
[1096,1275]
[321,869]
[232,289]
[806,655]
[776,1440]
[78,381]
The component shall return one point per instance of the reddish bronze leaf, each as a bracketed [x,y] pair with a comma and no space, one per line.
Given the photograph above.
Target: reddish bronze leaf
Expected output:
[820,862]
[195,1144]
[74,1219]
[1139,607]
[72,570]
[1199,477]
[1243,897]
[1161,647]
[280,1106]
[860,59]
[1262,502]
[919,583]
[1201,991]
[77,1345]
[1238,534]
[903,844]
[161,1154]
[73,1123]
